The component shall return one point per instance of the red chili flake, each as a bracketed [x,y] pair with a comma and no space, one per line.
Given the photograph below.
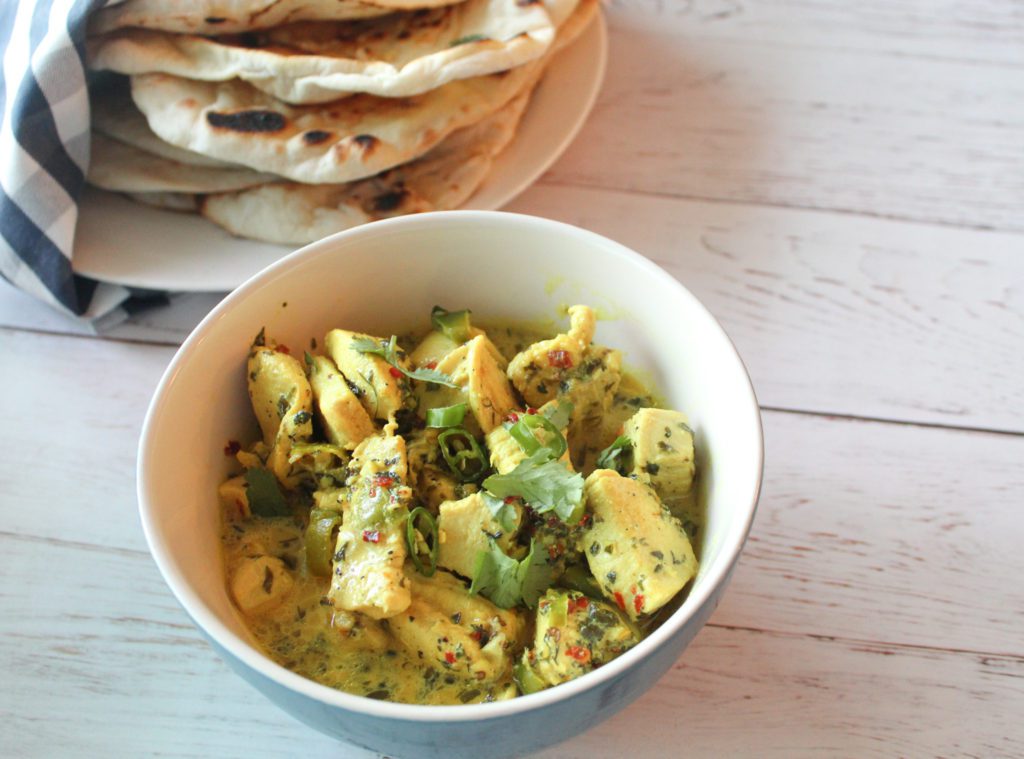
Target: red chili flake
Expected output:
[531,411]
[511,499]
[282,349]
[449,657]
[476,634]
[576,604]
[585,520]
[512,417]
[620,600]
[638,603]
[232,448]
[384,479]
[560,359]
[431,364]
[371,536]
[394,372]
[579,653]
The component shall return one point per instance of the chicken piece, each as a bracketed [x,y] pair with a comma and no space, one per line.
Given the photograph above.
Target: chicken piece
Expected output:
[482,385]
[370,377]
[260,583]
[573,635]
[636,549]
[662,452]
[345,422]
[455,632]
[234,498]
[370,551]
[283,402]
[538,371]
[506,453]
[464,527]
[436,345]
[591,388]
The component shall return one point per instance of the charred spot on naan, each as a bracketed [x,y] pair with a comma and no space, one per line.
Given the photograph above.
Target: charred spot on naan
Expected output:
[367,142]
[390,200]
[250,121]
[315,136]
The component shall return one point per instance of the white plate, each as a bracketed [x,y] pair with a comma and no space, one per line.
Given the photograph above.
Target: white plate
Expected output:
[118,240]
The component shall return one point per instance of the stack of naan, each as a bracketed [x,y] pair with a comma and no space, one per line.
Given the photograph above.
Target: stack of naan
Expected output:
[288,120]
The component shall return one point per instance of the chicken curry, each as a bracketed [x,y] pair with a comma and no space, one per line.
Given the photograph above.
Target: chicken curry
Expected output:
[427,521]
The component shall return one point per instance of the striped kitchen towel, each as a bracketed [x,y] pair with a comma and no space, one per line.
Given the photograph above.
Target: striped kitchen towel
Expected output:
[44,156]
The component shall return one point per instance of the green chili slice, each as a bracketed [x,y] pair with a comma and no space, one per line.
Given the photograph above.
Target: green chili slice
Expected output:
[320,540]
[454,324]
[463,454]
[421,514]
[617,456]
[446,416]
[527,680]
[535,431]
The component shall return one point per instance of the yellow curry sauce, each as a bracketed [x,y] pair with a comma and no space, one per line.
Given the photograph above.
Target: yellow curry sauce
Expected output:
[426,521]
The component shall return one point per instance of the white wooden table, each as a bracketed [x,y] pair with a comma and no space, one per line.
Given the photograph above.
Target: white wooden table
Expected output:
[843,185]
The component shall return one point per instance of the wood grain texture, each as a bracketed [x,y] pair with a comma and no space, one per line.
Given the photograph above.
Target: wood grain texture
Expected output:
[843,185]
[101,661]
[838,314]
[975,31]
[703,101]
[833,314]
[890,533]
[78,405]
[873,595]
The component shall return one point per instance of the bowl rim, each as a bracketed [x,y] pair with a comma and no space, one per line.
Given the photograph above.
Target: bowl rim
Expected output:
[232,644]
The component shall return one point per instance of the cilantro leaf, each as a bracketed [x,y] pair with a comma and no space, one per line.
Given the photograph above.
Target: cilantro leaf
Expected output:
[503,513]
[388,350]
[265,498]
[617,455]
[507,582]
[544,484]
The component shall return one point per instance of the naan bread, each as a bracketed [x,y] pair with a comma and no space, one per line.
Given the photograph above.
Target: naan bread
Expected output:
[119,167]
[442,179]
[167,201]
[115,115]
[333,142]
[314,62]
[228,16]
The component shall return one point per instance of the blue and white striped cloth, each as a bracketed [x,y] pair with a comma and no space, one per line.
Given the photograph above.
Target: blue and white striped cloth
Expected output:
[44,156]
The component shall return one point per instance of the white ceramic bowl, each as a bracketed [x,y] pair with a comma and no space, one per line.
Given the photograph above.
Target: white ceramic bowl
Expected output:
[384,278]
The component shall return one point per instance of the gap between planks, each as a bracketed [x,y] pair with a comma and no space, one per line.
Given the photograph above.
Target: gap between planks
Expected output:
[640,192]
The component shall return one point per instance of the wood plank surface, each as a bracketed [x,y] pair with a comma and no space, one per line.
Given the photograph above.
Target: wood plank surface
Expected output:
[92,669]
[838,314]
[904,529]
[834,314]
[879,564]
[703,101]
[842,184]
